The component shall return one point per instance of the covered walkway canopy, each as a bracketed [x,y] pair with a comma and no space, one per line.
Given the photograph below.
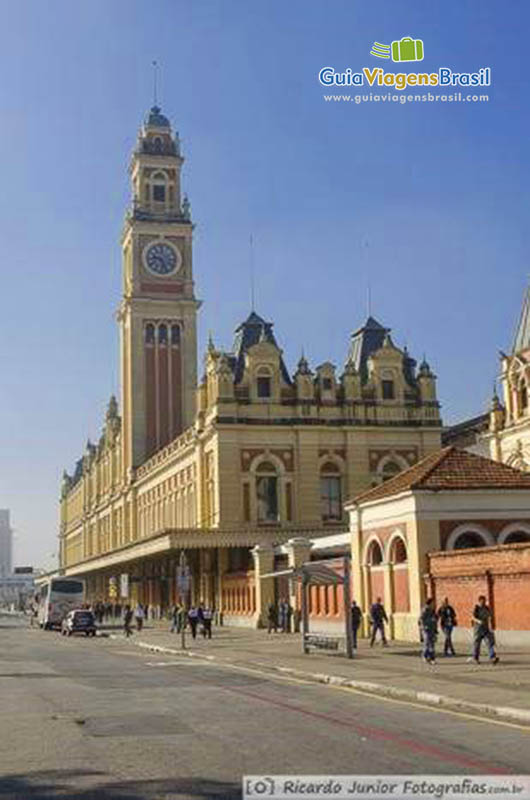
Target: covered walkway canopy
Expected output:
[318,573]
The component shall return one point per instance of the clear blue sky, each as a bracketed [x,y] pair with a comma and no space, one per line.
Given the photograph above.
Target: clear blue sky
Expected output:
[427,203]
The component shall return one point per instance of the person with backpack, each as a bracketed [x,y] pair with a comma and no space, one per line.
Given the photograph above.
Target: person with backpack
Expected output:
[482,619]
[447,618]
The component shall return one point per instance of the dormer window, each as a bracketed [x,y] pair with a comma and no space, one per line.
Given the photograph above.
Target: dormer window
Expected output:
[387,388]
[327,384]
[263,384]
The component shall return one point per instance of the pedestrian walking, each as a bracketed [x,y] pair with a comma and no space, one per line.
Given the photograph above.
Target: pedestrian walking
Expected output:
[447,618]
[127,619]
[139,616]
[378,618]
[482,630]
[193,618]
[176,619]
[272,618]
[284,616]
[429,626]
[207,616]
[356,619]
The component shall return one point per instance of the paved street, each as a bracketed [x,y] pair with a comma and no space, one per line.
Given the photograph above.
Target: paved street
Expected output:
[85,718]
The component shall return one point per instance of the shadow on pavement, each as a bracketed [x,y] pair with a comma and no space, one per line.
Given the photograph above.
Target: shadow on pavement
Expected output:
[55,784]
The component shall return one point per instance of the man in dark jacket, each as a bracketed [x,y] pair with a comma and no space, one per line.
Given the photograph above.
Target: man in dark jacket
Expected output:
[127,619]
[482,630]
[447,617]
[429,626]
[272,618]
[378,618]
[356,619]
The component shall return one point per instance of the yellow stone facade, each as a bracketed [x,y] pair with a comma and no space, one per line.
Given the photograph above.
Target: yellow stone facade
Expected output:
[249,457]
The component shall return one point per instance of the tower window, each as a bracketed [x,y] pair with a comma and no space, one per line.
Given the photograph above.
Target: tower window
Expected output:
[162,334]
[175,334]
[157,142]
[388,390]
[159,193]
[149,334]
[263,386]
[327,384]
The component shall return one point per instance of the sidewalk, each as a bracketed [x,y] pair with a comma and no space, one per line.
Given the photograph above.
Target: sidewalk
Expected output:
[501,691]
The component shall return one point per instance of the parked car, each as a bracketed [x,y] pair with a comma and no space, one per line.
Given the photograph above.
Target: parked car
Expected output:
[79,621]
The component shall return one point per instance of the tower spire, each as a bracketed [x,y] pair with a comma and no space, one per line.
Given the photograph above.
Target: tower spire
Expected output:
[252,282]
[155,83]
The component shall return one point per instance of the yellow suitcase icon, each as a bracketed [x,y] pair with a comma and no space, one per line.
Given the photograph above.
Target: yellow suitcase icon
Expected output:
[407,49]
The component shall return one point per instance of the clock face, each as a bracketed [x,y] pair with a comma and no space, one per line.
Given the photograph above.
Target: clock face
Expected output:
[161,259]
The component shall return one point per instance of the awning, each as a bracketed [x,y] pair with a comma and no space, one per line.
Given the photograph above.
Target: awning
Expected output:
[316,572]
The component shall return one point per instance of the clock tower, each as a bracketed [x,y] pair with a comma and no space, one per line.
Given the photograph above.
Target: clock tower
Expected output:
[157,315]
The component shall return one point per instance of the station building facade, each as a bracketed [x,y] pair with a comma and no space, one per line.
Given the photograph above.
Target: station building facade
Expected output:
[246,462]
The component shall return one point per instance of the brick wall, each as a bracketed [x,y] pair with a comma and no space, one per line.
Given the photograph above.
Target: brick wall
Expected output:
[502,573]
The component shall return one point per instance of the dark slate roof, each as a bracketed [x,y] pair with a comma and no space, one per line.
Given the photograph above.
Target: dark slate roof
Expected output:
[522,335]
[253,330]
[156,119]
[450,469]
[364,342]
[467,432]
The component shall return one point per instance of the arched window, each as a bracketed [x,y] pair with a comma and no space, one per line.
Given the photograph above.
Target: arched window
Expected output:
[390,469]
[263,383]
[149,334]
[399,551]
[330,492]
[159,187]
[375,554]
[517,537]
[175,334]
[157,144]
[267,493]
[162,334]
[468,539]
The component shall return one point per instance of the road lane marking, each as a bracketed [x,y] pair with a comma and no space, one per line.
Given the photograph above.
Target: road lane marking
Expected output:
[306,682]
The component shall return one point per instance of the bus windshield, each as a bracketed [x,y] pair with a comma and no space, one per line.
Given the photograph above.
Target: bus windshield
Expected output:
[59,596]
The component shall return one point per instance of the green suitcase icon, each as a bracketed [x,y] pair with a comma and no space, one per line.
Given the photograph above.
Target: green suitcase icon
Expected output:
[407,49]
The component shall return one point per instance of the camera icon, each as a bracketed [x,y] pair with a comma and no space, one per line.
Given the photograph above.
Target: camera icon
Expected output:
[262,786]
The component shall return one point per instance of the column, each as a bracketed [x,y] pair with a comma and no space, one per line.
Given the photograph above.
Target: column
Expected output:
[298,553]
[263,564]
[388,597]
[222,567]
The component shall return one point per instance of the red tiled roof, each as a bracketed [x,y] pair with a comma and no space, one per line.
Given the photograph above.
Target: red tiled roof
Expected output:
[450,469]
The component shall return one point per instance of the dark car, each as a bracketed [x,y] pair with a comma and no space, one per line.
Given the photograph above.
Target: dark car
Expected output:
[79,621]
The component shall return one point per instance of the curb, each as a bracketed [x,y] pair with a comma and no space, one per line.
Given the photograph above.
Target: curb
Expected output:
[427,699]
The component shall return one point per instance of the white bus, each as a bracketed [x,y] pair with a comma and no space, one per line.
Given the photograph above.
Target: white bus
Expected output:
[58,596]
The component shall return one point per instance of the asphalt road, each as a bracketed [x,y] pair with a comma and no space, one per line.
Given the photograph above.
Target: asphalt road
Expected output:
[100,718]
